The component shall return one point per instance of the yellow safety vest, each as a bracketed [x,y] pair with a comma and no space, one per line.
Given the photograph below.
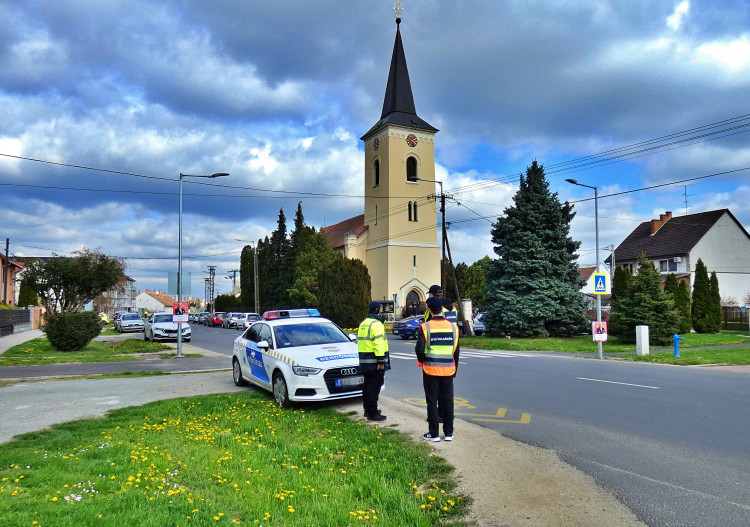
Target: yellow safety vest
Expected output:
[440,342]
[372,344]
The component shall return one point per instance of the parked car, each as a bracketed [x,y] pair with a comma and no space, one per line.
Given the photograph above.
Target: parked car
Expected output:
[478,324]
[159,326]
[297,355]
[117,316]
[407,328]
[249,319]
[202,318]
[215,319]
[129,322]
[232,319]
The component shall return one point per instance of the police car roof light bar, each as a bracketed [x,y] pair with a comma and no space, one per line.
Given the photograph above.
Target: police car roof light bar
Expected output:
[290,313]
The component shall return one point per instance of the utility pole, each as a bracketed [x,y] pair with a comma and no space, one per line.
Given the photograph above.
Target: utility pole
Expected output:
[211,287]
[233,272]
[468,331]
[206,286]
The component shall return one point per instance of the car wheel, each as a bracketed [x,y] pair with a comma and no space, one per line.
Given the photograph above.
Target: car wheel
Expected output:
[186,340]
[280,391]
[405,337]
[237,373]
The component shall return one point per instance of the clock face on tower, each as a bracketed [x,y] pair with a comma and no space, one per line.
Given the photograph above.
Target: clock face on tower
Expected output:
[376,143]
[411,140]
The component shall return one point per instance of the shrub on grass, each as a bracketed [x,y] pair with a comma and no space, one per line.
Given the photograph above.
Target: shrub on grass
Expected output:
[72,331]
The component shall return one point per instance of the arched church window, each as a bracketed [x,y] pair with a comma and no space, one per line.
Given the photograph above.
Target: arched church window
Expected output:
[376,172]
[411,169]
[376,214]
[410,211]
[414,212]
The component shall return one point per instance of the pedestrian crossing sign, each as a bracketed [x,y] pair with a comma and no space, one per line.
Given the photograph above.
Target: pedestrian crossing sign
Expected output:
[601,284]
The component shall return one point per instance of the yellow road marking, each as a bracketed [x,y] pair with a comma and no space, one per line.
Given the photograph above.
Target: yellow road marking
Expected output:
[498,417]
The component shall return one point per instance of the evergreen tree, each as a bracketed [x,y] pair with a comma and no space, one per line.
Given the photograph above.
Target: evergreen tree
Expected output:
[701,306]
[344,291]
[534,286]
[275,275]
[247,277]
[717,313]
[27,296]
[681,296]
[266,291]
[620,285]
[313,254]
[646,304]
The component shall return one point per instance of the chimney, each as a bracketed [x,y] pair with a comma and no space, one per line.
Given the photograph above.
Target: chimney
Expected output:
[657,224]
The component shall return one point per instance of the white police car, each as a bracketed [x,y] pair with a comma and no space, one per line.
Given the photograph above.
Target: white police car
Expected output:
[298,356]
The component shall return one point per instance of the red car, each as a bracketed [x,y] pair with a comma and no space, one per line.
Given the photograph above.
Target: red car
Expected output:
[215,319]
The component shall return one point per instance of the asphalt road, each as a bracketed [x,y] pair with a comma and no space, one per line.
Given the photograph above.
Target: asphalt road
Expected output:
[673,443]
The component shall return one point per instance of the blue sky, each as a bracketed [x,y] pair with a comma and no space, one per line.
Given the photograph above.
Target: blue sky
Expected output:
[278,94]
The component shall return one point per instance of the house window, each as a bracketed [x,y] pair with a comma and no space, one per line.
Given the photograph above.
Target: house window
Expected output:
[376,172]
[667,266]
[411,169]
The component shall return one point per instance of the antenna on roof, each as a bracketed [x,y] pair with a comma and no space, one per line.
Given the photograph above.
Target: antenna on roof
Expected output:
[398,8]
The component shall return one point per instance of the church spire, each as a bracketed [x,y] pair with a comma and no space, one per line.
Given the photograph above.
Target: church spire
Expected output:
[398,104]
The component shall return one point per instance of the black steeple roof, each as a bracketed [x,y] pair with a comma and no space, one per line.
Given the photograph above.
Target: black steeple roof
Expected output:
[398,104]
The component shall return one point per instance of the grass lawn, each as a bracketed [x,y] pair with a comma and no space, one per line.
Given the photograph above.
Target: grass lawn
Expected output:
[730,356]
[40,351]
[232,459]
[584,344]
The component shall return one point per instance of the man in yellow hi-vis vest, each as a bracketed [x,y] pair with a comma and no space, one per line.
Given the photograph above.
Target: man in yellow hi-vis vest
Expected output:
[438,350]
[373,360]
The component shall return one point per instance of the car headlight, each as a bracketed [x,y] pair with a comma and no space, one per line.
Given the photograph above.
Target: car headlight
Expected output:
[304,371]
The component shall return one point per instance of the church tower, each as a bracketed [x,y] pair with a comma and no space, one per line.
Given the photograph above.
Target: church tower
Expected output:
[402,250]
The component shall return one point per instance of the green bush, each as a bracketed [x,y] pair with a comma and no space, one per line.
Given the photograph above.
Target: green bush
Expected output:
[72,331]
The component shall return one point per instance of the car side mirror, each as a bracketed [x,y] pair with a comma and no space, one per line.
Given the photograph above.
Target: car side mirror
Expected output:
[353,337]
[263,344]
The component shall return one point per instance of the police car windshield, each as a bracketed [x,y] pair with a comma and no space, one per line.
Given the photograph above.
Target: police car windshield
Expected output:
[308,335]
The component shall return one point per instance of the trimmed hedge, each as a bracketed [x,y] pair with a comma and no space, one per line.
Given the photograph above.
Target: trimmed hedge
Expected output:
[72,331]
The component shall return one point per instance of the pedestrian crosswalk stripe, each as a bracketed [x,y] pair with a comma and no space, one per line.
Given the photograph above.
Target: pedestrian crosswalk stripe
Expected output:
[477,354]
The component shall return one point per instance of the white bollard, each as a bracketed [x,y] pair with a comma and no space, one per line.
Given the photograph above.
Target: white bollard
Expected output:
[641,340]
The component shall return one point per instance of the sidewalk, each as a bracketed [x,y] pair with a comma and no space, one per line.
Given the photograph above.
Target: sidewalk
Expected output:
[207,361]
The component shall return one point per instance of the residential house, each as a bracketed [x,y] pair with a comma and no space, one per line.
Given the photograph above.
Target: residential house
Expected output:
[587,275]
[675,244]
[8,279]
[153,301]
[121,298]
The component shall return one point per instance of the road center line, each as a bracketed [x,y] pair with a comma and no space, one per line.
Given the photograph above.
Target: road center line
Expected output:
[622,383]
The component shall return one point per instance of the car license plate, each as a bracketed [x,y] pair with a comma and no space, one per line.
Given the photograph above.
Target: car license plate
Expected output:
[350,381]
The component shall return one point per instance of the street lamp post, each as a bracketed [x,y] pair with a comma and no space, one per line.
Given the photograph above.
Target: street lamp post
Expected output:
[596,227]
[179,254]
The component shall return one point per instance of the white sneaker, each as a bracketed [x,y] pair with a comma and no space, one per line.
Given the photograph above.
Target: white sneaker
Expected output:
[432,438]
[448,438]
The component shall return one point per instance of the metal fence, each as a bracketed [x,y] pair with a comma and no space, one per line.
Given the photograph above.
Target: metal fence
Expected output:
[10,318]
[735,318]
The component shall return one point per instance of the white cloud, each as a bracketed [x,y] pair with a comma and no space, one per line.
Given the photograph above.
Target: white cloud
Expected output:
[674,21]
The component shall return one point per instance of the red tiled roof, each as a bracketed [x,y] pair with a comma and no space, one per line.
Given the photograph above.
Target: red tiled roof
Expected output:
[335,233]
[586,272]
[161,297]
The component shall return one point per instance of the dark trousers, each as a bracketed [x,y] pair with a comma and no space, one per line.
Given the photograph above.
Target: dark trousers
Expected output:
[371,390]
[438,392]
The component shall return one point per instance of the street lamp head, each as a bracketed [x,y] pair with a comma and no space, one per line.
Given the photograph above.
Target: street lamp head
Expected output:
[219,174]
[572,181]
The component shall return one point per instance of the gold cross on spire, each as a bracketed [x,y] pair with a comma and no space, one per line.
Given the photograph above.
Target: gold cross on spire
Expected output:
[398,8]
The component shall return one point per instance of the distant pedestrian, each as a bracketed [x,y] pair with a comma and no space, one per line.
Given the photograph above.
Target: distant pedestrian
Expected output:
[438,351]
[435,292]
[373,360]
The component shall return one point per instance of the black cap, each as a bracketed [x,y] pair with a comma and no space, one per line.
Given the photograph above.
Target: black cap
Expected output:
[374,307]
[435,289]
[435,304]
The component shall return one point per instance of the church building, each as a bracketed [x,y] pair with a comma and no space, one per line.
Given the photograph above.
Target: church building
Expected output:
[396,237]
